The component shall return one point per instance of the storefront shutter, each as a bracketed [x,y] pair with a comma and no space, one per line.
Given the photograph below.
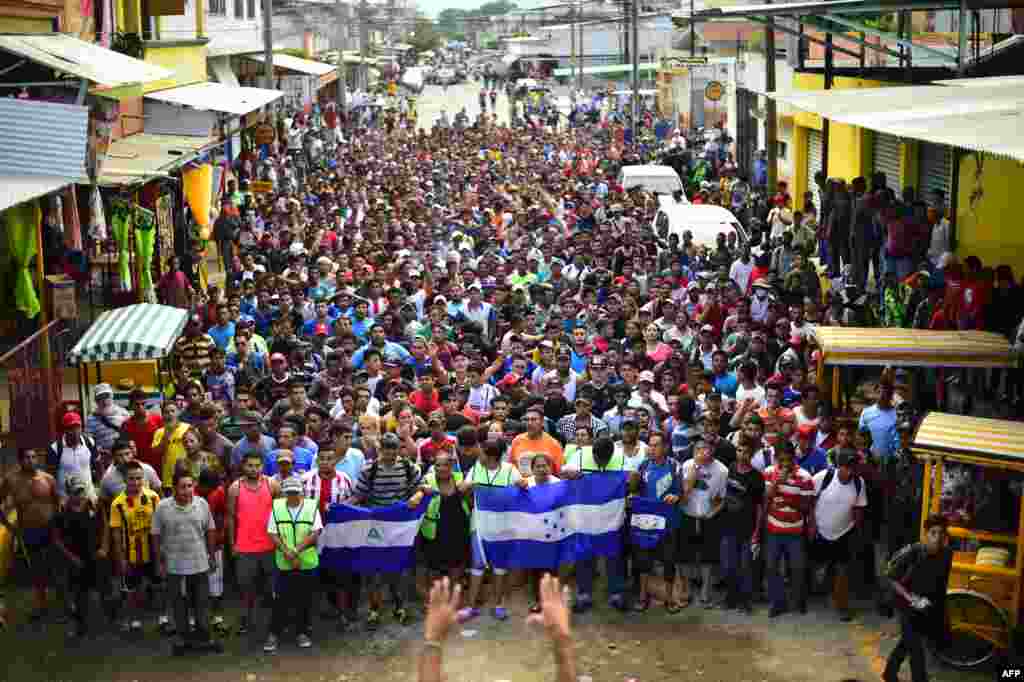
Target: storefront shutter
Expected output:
[887,160]
[814,165]
[936,164]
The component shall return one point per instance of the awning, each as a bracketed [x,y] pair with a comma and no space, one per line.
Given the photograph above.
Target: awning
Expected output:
[608,70]
[136,158]
[973,436]
[59,152]
[218,97]
[144,331]
[980,116]
[303,66]
[15,189]
[813,7]
[85,60]
[870,346]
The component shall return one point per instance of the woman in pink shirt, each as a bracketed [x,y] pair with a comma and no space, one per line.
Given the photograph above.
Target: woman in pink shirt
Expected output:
[174,287]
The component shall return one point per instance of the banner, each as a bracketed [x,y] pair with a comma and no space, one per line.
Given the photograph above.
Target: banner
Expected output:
[648,522]
[550,525]
[381,539]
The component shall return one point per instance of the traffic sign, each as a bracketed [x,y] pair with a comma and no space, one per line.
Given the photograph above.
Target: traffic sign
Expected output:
[714,91]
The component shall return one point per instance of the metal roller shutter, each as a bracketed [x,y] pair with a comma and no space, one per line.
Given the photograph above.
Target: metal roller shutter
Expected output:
[887,160]
[815,142]
[936,164]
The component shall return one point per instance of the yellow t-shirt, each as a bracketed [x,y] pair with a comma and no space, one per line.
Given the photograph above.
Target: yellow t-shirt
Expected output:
[175,451]
[134,518]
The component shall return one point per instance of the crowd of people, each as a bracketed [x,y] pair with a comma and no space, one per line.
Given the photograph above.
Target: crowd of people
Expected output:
[439,309]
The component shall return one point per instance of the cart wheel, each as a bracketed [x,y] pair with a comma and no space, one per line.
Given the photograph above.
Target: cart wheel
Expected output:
[979,630]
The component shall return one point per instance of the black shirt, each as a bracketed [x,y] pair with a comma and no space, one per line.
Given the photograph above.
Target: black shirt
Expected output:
[742,497]
[79,531]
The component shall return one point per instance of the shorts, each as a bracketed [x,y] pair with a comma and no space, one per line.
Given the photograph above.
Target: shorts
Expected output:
[665,552]
[478,562]
[699,541]
[836,551]
[255,570]
[140,574]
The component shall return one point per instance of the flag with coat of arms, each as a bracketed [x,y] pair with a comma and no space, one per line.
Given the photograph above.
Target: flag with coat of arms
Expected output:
[371,540]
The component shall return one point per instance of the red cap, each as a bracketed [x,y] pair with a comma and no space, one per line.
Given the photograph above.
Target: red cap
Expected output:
[319,330]
[511,379]
[71,419]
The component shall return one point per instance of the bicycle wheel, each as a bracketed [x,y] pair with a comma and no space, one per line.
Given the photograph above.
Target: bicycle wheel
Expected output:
[978,630]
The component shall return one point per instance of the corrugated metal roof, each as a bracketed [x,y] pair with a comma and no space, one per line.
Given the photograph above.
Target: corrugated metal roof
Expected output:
[44,138]
[912,347]
[286,61]
[217,97]
[15,189]
[133,159]
[955,434]
[85,60]
[609,69]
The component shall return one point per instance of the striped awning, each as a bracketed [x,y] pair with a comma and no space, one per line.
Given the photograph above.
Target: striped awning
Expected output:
[912,347]
[145,331]
[972,436]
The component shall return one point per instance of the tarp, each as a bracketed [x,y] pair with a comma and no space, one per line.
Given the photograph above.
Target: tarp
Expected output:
[145,331]
[210,96]
[953,433]
[977,114]
[912,347]
[608,69]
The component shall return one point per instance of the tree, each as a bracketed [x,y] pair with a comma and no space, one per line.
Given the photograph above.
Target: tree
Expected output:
[425,37]
[451,20]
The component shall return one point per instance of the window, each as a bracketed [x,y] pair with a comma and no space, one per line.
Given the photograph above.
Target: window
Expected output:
[252,8]
[781,150]
[219,7]
[239,9]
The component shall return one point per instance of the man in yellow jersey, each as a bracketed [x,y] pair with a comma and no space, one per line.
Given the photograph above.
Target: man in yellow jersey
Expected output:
[168,442]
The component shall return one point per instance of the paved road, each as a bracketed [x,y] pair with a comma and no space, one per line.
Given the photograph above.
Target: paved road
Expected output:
[434,98]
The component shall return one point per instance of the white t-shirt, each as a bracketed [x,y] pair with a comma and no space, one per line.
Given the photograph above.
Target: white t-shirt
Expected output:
[833,510]
[757,393]
[712,482]
[632,461]
[531,481]
[740,273]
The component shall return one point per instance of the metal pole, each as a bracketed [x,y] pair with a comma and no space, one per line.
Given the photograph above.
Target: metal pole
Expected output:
[961,52]
[579,72]
[693,33]
[771,122]
[636,71]
[572,38]
[268,44]
[825,123]
[364,44]
[339,42]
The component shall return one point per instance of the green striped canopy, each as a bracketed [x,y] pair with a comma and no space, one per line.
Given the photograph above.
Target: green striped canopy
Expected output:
[145,331]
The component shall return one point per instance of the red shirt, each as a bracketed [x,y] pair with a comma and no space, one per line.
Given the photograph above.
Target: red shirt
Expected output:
[216,499]
[325,494]
[425,404]
[141,434]
[785,516]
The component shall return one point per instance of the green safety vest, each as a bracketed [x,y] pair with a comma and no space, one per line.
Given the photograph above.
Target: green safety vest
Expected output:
[589,464]
[428,528]
[292,533]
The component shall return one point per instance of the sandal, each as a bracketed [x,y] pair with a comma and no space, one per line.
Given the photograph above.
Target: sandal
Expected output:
[673,607]
[642,604]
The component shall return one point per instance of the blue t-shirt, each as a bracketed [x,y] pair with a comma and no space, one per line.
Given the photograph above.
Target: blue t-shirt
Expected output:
[726,384]
[814,461]
[244,447]
[657,481]
[304,461]
[353,464]
[882,425]
[222,335]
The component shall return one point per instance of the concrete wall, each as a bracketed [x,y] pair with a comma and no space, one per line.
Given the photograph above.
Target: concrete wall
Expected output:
[986,211]
[187,61]
[228,33]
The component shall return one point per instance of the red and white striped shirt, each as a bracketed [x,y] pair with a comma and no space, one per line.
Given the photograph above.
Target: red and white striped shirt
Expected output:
[784,510]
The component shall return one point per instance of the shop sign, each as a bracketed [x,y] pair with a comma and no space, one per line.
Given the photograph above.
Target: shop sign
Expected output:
[714,91]
[262,186]
[265,134]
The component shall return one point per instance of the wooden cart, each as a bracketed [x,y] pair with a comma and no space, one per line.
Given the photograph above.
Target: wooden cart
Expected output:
[984,599]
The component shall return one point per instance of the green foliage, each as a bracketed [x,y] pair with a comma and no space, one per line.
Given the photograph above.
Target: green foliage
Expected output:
[425,37]
[453,21]
[490,44]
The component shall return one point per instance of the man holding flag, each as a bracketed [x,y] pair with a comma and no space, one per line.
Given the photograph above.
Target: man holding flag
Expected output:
[601,458]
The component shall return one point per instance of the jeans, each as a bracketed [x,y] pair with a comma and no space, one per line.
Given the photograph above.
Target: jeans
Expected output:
[737,569]
[911,644]
[396,582]
[190,591]
[295,591]
[616,567]
[792,546]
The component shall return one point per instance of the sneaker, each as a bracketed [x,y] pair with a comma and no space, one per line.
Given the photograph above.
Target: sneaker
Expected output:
[776,611]
[304,641]
[372,620]
[845,616]
[270,646]
[617,602]
[467,614]
[243,625]
[136,626]
[126,626]
[582,604]
[191,624]
[500,613]
[401,616]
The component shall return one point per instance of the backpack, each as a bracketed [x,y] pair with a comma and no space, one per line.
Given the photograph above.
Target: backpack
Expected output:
[858,482]
[54,451]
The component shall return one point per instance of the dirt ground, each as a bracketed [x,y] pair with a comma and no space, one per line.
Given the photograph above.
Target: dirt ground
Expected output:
[696,645]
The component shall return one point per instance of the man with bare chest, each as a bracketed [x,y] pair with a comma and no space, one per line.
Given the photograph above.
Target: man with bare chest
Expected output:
[32,493]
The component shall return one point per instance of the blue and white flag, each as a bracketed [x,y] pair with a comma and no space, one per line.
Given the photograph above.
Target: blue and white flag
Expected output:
[648,522]
[374,540]
[550,525]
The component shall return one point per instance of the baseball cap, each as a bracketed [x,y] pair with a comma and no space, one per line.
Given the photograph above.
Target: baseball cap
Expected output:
[102,390]
[71,419]
[511,379]
[320,329]
[646,375]
[707,328]
[292,486]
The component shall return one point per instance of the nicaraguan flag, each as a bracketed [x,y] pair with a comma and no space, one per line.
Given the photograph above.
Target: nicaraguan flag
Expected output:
[550,525]
[370,540]
[648,522]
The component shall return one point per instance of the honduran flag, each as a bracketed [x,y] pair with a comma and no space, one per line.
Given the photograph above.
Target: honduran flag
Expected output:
[379,539]
[648,522]
[550,525]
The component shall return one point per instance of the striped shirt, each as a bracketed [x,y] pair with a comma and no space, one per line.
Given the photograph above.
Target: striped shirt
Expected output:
[784,514]
[381,485]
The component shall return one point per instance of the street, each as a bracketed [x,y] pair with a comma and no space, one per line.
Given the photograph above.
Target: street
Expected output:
[435,98]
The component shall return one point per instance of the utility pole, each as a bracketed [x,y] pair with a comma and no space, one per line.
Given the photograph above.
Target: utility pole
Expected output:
[268,44]
[693,32]
[579,73]
[339,42]
[636,71]
[572,39]
[364,44]
[771,120]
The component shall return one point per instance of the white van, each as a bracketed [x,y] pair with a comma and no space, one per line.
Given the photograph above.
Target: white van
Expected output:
[652,178]
[704,221]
